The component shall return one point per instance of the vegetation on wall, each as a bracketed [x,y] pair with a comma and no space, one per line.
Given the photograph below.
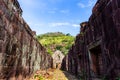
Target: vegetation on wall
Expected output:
[56,41]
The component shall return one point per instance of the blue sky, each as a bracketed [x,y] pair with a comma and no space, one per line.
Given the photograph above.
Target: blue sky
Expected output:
[56,15]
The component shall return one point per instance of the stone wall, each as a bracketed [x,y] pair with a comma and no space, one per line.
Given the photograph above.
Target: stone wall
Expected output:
[73,61]
[98,44]
[20,53]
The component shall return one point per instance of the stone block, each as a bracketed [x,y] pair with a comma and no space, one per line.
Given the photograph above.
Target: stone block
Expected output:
[114,5]
[117,17]
[118,3]
[108,10]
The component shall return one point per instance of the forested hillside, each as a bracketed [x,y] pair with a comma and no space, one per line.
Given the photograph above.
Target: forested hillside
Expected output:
[56,41]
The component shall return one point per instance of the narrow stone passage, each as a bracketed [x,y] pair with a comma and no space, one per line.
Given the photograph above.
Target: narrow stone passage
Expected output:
[53,74]
[94,54]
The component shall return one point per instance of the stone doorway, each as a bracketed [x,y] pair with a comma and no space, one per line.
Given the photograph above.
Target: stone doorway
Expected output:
[96,60]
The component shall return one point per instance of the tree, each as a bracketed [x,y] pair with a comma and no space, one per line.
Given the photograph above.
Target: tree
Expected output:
[68,34]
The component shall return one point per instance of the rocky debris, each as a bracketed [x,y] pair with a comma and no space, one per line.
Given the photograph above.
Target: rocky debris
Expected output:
[57,59]
[96,52]
[20,53]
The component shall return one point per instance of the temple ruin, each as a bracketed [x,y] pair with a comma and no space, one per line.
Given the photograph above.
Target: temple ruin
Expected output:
[20,53]
[96,51]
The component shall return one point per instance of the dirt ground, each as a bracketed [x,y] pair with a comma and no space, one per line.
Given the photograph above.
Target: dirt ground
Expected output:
[53,74]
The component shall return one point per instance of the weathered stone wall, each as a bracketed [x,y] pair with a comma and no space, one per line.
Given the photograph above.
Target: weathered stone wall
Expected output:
[73,61]
[20,53]
[99,53]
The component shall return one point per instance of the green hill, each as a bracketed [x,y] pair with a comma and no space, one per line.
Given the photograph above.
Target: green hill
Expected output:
[56,41]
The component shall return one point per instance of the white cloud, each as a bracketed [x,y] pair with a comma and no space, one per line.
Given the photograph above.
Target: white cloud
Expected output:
[52,11]
[57,24]
[58,11]
[89,4]
[39,25]
[36,24]
[64,11]
[81,5]
[75,25]
[63,24]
